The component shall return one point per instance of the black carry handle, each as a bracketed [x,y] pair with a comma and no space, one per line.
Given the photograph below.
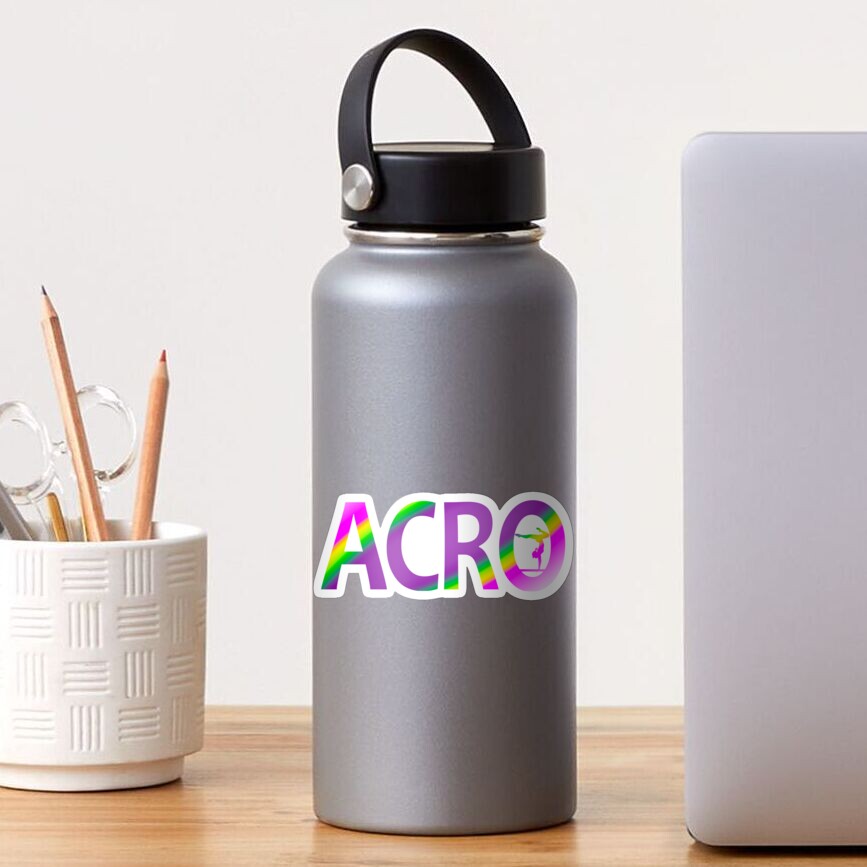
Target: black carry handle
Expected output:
[477,76]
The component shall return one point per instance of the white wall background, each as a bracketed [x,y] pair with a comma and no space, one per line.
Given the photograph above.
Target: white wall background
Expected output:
[168,169]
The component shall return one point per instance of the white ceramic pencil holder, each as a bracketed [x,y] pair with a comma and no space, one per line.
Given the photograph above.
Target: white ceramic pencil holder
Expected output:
[102,660]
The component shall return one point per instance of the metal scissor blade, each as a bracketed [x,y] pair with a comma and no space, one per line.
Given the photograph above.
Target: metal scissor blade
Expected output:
[12,524]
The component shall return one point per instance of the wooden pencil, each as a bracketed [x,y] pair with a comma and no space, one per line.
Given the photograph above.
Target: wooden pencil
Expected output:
[142,521]
[55,513]
[92,514]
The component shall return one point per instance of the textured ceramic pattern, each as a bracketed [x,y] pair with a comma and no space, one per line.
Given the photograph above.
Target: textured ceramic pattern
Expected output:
[102,651]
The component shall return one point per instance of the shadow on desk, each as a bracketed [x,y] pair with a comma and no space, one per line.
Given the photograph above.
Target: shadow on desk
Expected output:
[746,855]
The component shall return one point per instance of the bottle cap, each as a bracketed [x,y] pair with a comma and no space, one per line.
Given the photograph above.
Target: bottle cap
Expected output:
[439,185]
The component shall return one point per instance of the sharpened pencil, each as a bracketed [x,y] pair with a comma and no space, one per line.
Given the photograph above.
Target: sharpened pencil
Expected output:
[142,522]
[92,514]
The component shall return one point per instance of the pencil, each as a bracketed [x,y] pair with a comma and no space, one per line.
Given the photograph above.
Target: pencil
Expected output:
[142,521]
[55,512]
[92,514]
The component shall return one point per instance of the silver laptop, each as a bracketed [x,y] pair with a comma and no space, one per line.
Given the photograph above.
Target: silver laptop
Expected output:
[775,452]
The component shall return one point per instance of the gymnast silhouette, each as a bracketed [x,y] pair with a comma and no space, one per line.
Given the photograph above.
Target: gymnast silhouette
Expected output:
[539,538]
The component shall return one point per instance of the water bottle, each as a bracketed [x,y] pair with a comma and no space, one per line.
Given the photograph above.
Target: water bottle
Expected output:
[443,480]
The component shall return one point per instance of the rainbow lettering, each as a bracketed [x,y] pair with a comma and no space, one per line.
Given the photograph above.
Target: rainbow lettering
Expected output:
[433,546]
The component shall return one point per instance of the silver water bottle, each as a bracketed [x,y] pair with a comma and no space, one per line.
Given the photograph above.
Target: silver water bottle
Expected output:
[443,480]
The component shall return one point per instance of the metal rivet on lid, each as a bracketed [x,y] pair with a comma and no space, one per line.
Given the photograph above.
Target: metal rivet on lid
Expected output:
[357,187]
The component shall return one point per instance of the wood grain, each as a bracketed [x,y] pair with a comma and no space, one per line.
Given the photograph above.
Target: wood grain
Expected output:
[246,799]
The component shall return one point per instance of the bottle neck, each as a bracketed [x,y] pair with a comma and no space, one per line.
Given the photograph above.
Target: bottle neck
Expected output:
[413,238]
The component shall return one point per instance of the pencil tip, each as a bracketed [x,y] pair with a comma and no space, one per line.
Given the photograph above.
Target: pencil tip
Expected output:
[48,311]
[163,357]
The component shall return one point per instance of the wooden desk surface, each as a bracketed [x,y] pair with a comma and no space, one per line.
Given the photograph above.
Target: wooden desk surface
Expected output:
[246,800]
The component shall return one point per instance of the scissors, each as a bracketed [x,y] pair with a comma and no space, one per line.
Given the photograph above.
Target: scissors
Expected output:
[55,452]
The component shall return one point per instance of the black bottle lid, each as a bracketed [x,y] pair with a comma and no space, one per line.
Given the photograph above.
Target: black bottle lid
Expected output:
[439,185]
